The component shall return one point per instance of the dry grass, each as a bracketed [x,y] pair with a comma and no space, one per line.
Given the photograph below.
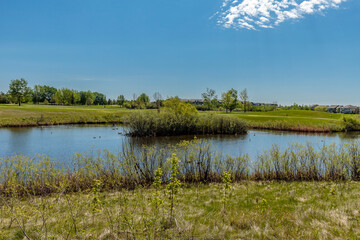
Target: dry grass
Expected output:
[256,210]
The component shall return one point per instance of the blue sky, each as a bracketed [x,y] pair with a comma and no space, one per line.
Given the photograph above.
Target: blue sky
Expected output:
[183,47]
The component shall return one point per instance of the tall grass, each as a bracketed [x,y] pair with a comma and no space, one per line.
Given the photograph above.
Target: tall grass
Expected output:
[168,123]
[284,125]
[199,163]
[103,195]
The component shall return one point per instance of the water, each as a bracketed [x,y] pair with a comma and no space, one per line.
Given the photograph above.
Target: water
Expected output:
[61,142]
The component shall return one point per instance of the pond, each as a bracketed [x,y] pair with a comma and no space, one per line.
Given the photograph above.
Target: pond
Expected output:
[62,142]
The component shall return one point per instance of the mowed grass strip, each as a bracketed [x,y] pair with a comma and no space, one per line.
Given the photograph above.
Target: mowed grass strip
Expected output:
[297,120]
[255,210]
[38,115]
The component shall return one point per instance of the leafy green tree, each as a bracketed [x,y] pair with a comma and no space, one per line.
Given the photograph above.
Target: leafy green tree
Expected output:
[143,100]
[87,98]
[4,98]
[210,99]
[229,100]
[19,91]
[43,93]
[49,93]
[244,98]
[321,109]
[67,96]
[180,108]
[100,99]
[120,100]
[38,94]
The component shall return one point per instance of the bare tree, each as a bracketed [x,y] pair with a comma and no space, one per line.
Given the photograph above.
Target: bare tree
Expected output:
[157,97]
[210,99]
[244,98]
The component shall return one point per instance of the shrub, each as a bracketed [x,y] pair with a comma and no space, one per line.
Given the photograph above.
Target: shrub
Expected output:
[181,118]
[321,109]
[169,123]
[350,124]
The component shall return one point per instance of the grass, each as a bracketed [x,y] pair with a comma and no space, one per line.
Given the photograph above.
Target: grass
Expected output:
[255,210]
[295,193]
[38,115]
[295,120]
[290,120]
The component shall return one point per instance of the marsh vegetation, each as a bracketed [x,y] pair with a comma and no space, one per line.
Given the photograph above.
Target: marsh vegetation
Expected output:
[183,191]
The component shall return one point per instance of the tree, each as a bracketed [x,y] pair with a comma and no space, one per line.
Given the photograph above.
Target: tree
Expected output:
[120,100]
[244,98]
[4,98]
[143,100]
[37,94]
[100,99]
[210,99]
[19,90]
[67,96]
[157,97]
[49,93]
[229,100]
[320,108]
[180,108]
[87,98]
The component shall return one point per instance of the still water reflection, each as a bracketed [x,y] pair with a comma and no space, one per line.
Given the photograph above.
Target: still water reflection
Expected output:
[61,142]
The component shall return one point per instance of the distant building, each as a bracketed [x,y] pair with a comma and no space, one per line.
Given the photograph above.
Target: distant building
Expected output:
[264,104]
[348,109]
[332,108]
[312,107]
[193,101]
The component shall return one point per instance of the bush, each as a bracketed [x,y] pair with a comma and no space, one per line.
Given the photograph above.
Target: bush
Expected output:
[168,123]
[350,124]
[321,109]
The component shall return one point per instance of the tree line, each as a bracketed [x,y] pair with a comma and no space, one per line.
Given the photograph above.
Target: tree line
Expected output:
[230,100]
[19,93]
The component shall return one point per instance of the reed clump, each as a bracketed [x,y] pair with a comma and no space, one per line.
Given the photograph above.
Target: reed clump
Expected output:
[179,118]
[167,123]
[282,125]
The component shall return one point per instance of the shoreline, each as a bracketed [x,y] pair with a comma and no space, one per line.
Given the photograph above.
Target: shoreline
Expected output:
[301,129]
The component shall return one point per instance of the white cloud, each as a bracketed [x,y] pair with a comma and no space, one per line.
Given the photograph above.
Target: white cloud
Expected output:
[255,14]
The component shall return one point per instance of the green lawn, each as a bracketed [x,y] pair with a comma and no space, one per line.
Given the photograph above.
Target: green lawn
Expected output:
[292,120]
[254,210]
[36,115]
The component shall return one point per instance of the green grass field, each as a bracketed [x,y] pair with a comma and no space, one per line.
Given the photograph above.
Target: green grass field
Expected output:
[37,115]
[254,210]
[300,120]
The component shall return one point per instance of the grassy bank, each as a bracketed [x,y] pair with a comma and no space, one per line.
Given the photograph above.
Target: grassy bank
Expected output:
[39,115]
[294,120]
[289,120]
[254,210]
